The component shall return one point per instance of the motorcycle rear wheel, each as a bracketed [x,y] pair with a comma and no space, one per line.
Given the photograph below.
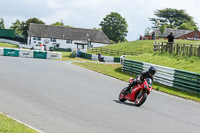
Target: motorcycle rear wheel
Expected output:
[139,100]
[121,95]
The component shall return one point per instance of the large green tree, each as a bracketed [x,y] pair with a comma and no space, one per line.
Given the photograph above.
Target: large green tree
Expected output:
[17,26]
[2,25]
[173,18]
[115,27]
[25,26]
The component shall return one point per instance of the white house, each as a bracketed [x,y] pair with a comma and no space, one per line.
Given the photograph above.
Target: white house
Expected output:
[65,37]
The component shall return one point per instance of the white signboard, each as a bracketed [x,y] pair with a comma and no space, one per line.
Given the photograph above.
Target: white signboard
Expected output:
[1,51]
[26,53]
[54,55]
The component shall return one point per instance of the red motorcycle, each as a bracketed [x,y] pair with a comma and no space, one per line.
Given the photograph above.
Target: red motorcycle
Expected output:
[138,93]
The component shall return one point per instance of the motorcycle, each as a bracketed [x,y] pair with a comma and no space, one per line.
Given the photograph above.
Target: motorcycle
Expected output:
[138,93]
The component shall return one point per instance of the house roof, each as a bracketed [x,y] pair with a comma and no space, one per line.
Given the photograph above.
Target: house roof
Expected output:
[177,32]
[61,32]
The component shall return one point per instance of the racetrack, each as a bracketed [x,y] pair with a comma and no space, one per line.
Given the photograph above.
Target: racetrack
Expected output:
[58,97]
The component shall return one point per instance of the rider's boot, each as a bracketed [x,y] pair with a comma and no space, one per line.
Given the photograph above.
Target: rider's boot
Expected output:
[127,91]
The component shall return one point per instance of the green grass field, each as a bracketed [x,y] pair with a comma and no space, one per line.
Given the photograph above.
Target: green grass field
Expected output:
[143,46]
[8,125]
[164,59]
[7,45]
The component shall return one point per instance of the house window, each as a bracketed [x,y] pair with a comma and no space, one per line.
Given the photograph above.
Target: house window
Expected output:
[53,40]
[37,38]
[80,46]
[56,45]
[69,41]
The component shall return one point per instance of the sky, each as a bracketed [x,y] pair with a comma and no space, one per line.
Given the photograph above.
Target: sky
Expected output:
[89,13]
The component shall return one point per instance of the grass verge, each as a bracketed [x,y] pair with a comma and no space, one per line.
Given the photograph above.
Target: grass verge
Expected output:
[7,45]
[184,63]
[114,70]
[8,125]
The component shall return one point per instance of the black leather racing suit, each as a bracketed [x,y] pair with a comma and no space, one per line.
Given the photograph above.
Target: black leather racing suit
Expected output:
[139,78]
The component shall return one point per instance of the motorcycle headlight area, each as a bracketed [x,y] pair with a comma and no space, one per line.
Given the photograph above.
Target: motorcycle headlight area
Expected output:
[145,87]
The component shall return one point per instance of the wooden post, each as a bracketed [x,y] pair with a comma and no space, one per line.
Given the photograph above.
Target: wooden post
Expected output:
[195,51]
[177,50]
[183,49]
[198,51]
[162,46]
[190,50]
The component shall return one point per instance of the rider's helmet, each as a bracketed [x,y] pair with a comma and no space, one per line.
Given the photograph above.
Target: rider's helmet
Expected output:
[152,70]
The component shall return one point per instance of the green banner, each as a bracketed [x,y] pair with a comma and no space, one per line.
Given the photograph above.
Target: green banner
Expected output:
[40,54]
[11,52]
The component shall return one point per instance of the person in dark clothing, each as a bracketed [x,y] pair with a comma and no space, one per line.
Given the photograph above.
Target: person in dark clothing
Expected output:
[153,35]
[101,58]
[148,74]
[170,37]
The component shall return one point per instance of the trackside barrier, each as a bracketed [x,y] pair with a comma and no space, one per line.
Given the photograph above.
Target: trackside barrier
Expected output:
[179,79]
[11,52]
[40,54]
[54,55]
[95,57]
[1,51]
[30,53]
[26,53]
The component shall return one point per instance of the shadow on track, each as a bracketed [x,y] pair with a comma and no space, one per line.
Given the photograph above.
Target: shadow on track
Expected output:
[125,103]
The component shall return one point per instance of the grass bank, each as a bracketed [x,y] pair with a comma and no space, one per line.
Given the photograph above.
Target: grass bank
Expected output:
[8,125]
[184,63]
[114,70]
[7,45]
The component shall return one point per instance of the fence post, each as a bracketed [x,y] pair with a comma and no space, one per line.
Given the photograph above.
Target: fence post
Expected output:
[183,49]
[177,50]
[198,51]
[162,45]
[195,51]
[190,50]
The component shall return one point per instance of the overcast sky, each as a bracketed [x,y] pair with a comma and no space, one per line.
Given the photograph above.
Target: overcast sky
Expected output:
[89,13]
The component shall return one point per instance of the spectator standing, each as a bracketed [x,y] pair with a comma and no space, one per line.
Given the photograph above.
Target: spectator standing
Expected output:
[170,41]
[153,35]
[170,37]
[140,37]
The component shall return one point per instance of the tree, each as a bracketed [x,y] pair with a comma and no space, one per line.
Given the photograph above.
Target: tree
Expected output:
[25,26]
[58,24]
[2,25]
[17,26]
[162,29]
[173,18]
[115,27]
[147,31]
[188,26]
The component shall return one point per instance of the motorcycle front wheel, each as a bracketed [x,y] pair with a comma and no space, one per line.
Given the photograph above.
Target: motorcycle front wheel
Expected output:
[121,95]
[140,99]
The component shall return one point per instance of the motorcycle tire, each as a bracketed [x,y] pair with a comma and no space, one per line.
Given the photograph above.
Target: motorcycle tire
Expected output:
[121,95]
[139,100]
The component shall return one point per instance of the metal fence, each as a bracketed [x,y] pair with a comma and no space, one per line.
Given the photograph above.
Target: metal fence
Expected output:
[180,79]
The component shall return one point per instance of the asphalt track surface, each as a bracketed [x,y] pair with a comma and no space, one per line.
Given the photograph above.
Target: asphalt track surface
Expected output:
[58,97]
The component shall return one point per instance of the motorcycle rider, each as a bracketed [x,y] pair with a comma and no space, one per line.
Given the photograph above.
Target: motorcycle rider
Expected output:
[100,57]
[148,74]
